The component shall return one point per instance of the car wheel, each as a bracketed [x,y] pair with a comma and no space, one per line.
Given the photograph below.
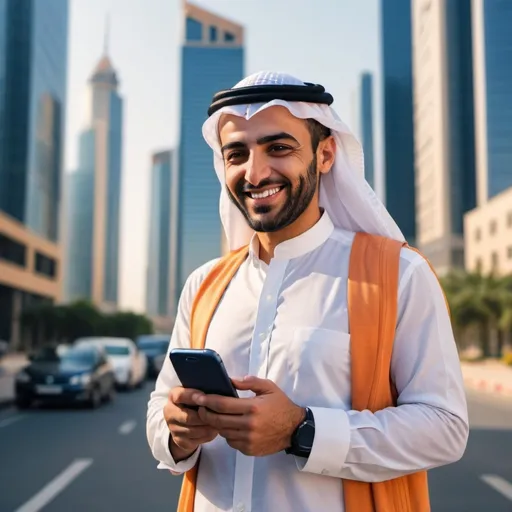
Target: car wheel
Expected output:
[22,403]
[111,393]
[95,398]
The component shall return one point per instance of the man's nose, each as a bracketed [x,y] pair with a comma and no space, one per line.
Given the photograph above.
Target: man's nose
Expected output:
[257,170]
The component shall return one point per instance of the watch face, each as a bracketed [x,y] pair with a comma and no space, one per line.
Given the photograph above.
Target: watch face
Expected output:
[306,436]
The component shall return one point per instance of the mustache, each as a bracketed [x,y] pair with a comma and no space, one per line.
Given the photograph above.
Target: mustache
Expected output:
[243,187]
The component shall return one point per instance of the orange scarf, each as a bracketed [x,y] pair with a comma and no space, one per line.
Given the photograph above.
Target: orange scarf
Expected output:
[372,306]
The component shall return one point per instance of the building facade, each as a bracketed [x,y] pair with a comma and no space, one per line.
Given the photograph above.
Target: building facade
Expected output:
[396,47]
[488,236]
[492,43]
[212,59]
[366,122]
[33,80]
[94,196]
[159,282]
[443,128]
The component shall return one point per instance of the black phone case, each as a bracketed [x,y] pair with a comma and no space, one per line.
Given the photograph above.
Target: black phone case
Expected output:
[202,370]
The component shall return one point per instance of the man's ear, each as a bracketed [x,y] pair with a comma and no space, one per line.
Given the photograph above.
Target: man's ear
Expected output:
[326,154]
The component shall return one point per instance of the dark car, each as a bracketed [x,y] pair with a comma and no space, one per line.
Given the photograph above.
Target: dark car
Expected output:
[155,346]
[78,375]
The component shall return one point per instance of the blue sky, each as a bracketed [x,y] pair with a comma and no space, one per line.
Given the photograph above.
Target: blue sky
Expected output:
[324,41]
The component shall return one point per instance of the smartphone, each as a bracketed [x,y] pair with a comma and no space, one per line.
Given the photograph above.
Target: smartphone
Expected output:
[202,369]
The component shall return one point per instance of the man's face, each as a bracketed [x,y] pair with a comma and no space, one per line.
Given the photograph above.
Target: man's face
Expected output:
[271,170]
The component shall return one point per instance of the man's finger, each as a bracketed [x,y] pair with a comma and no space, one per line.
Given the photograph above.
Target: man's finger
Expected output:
[226,405]
[184,396]
[192,433]
[255,384]
[186,417]
[224,421]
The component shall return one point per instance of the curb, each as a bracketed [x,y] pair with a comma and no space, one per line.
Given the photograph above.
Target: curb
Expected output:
[5,404]
[488,386]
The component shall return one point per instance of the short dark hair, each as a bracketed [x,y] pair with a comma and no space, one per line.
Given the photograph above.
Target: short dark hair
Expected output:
[318,132]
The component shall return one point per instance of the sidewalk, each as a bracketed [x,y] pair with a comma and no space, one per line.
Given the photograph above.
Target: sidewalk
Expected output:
[9,366]
[488,376]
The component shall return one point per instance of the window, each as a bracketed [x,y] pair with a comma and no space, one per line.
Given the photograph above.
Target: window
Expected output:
[12,251]
[494,261]
[509,252]
[493,227]
[478,235]
[509,219]
[478,265]
[229,37]
[45,265]
[194,30]
[213,34]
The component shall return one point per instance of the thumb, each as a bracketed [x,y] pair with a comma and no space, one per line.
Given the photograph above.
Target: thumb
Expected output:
[255,384]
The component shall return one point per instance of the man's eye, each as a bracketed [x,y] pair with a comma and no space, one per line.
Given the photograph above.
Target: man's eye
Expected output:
[278,147]
[234,155]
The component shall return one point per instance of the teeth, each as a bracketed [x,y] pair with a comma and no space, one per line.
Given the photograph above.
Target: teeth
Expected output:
[266,193]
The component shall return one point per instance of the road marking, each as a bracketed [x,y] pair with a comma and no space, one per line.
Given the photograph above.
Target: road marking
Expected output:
[57,485]
[127,427]
[499,484]
[11,420]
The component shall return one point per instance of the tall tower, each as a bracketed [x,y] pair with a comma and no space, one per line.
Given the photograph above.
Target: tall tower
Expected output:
[366,123]
[160,282]
[33,80]
[212,59]
[492,43]
[396,47]
[94,195]
[444,128]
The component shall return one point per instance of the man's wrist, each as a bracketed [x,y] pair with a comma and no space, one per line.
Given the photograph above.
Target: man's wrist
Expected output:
[301,438]
[179,454]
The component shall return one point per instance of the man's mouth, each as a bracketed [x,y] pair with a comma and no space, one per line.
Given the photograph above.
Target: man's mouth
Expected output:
[265,193]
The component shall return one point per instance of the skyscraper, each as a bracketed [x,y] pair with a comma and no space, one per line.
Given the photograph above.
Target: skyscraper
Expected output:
[366,122]
[212,59]
[492,43]
[396,44]
[94,195]
[160,280]
[444,128]
[33,76]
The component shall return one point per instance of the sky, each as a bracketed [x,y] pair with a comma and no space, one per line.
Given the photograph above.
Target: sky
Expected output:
[330,42]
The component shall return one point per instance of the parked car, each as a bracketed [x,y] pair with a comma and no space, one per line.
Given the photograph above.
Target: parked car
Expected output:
[128,361]
[78,375]
[155,346]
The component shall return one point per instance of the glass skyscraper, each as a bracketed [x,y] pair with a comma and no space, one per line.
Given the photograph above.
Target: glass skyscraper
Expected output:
[444,128]
[366,121]
[159,285]
[212,59]
[396,44]
[492,42]
[94,196]
[33,76]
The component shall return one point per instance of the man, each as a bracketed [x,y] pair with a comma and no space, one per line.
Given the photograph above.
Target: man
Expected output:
[292,188]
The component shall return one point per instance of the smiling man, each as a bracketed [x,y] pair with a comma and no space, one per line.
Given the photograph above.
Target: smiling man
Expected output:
[352,386]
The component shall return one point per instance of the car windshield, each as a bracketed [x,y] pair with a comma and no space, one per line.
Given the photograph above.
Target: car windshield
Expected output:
[117,350]
[153,343]
[81,356]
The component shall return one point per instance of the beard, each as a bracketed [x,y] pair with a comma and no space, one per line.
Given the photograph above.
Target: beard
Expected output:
[271,218]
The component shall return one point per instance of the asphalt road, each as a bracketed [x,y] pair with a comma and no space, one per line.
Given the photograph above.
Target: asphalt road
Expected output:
[61,460]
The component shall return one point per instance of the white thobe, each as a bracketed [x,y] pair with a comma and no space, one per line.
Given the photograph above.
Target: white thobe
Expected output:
[288,322]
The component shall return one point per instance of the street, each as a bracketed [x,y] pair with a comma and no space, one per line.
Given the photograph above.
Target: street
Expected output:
[72,460]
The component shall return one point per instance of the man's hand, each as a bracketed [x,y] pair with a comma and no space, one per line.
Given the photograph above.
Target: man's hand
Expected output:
[188,431]
[256,426]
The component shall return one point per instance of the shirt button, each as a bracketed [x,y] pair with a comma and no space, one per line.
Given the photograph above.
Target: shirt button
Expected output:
[262,335]
[325,472]
[269,297]
[240,507]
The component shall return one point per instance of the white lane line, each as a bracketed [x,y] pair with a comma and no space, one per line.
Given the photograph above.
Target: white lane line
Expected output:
[57,485]
[499,484]
[127,427]
[11,420]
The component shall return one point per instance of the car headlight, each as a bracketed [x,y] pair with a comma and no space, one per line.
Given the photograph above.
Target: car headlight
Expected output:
[23,377]
[83,379]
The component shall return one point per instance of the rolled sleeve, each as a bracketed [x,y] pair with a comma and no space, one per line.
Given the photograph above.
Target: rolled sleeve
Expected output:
[330,444]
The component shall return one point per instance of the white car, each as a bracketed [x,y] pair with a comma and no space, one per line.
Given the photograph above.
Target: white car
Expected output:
[129,363]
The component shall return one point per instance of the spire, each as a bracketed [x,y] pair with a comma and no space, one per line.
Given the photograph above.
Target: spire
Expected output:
[107,34]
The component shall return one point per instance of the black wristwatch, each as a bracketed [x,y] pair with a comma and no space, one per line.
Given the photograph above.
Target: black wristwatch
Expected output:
[303,436]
